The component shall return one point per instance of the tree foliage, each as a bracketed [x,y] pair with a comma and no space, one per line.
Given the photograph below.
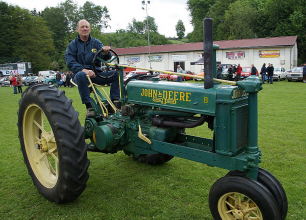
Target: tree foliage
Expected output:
[180,29]
[96,15]
[237,19]
[25,38]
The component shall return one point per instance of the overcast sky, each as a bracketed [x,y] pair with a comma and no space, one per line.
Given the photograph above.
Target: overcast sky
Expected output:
[165,12]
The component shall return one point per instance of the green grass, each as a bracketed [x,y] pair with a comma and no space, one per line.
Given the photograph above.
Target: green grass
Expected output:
[120,188]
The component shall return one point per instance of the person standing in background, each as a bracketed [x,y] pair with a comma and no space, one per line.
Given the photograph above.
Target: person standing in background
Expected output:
[253,70]
[263,72]
[230,73]
[13,82]
[219,71]
[238,72]
[19,83]
[270,70]
[179,69]
[304,73]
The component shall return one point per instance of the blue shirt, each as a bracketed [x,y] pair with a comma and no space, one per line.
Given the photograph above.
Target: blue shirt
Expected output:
[79,54]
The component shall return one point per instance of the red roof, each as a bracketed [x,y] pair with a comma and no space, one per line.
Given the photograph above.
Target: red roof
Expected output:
[224,44]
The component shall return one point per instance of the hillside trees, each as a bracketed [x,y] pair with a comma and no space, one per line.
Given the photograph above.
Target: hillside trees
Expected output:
[25,38]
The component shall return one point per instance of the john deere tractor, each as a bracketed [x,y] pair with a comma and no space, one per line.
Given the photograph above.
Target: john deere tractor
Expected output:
[150,127]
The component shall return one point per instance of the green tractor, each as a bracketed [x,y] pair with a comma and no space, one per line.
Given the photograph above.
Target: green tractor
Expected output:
[150,127]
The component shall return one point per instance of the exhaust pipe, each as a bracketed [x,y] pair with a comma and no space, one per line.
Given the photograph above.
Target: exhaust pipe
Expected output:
[208,53]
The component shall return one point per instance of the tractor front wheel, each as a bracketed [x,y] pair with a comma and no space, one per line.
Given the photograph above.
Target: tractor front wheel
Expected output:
[273,185]
[236,197]
[52,143]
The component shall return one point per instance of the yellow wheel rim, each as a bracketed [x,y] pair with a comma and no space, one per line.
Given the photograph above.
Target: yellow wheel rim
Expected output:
[236,206]
[40,146]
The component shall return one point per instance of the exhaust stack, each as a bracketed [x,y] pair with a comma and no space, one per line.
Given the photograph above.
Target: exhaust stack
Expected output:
[208,53]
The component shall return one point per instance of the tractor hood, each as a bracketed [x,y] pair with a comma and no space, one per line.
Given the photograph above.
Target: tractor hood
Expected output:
[187,97]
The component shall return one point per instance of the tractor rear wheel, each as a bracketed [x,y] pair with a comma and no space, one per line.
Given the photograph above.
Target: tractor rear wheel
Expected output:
[236,197]
[52,143]
[153,159]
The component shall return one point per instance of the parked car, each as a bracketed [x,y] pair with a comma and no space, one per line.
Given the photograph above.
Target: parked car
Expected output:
[279,73]
[50,80]
[5,81]
[46,73]
[173,77]
[224,73]
[199,74]
[186,78]
[246,72]
[296,74]
[30,80]
[164,76]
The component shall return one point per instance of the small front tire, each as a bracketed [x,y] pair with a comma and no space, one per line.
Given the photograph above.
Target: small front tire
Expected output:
[235,197]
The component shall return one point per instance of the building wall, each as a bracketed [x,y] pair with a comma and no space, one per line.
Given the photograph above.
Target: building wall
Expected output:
[279,56]
[286,57]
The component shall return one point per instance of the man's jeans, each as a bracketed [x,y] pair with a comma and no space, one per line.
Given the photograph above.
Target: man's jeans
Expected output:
[270,79]
[81,80]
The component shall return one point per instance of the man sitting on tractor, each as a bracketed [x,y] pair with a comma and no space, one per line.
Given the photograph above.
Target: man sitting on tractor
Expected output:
[79,57]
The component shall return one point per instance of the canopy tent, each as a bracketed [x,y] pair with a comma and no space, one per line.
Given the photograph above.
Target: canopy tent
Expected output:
[198,62]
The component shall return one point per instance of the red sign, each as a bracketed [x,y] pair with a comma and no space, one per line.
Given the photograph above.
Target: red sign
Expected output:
[235,55]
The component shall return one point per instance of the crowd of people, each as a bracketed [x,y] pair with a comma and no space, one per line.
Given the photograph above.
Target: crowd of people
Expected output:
[64,79]
[267,73]
[234,72]
[16,83]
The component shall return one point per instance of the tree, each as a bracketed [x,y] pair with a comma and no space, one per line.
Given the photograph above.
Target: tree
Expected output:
[217,12]
[25,38]
[71,12]
[180,29]
[35,43]
[96,15]
[136,27]
[235,25]
[198,10]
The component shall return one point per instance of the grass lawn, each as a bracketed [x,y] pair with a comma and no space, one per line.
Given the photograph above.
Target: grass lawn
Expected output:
[120,188]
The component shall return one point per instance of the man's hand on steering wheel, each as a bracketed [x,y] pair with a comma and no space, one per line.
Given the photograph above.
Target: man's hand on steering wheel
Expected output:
[106,49]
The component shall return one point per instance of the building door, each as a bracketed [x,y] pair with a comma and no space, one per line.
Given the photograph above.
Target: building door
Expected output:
[182,64]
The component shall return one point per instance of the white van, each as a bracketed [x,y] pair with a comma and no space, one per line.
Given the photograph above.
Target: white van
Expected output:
[46,73]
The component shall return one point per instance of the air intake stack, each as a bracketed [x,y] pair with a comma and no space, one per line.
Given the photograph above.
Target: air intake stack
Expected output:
[208,54]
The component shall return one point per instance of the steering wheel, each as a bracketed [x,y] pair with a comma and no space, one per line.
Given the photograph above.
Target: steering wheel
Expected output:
[100,65]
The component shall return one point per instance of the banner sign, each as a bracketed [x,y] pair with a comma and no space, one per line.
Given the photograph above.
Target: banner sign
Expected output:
[235,55]
[179,57]
[269,53]
[156,58]
[133,60]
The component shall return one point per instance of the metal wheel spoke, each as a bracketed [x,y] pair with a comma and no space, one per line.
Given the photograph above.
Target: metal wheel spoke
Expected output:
[42,156]
[51,168]
[52,150]
[39,126]
[230,205]
[251,209]
[54,157]
[56,164]
[42,120]
[255,214]
[229,211]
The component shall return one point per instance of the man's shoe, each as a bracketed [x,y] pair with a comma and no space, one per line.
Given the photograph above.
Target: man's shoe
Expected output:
[117,103]
[90,113]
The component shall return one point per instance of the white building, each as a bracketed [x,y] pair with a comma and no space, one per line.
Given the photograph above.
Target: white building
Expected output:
[280,51]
